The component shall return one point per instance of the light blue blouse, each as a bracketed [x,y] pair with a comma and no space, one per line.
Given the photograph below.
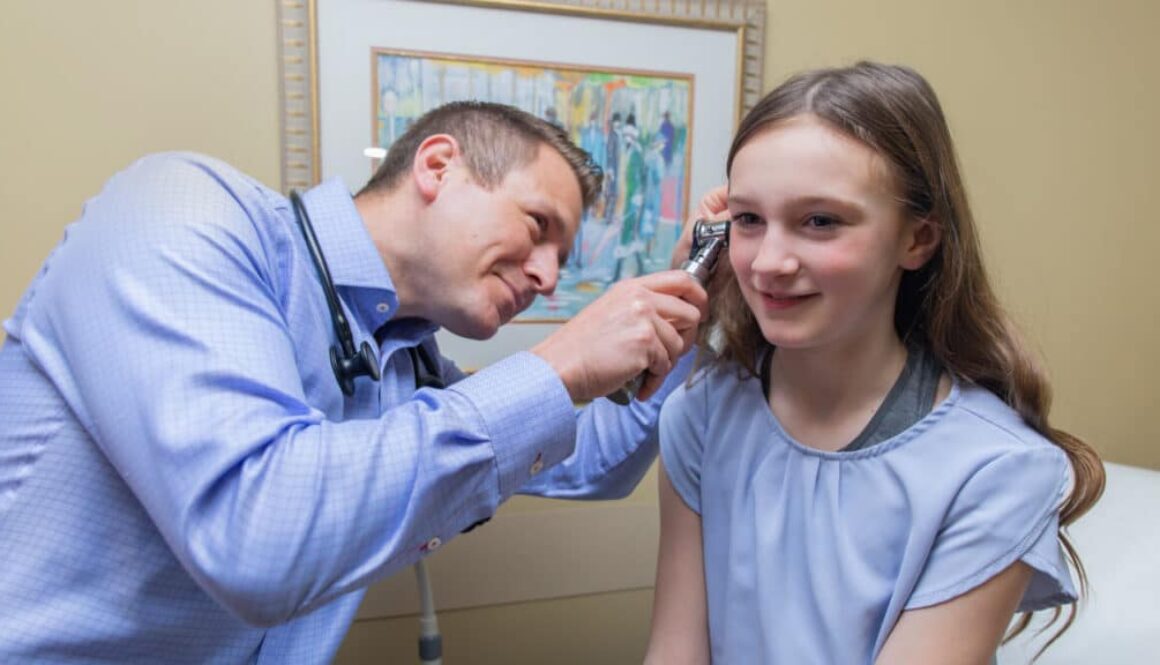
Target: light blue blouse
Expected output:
[812,556]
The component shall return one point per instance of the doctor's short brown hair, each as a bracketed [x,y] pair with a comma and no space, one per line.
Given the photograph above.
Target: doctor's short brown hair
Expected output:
[494,140]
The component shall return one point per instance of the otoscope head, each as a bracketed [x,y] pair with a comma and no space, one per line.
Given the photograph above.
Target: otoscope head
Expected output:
[709,238]
[705,230]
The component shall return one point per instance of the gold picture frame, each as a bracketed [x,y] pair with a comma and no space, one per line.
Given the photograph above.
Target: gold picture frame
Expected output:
[298,62]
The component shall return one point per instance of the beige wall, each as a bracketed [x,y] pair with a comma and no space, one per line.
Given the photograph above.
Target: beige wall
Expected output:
[1054,107]
[90,86]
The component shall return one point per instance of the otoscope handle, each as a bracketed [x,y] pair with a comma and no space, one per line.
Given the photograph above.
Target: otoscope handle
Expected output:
[709,238]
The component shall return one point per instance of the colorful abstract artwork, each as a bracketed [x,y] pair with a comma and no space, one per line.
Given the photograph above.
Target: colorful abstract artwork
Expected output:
[636,125]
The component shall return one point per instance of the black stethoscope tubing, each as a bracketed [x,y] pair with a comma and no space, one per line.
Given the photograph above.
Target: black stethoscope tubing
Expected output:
[347,362]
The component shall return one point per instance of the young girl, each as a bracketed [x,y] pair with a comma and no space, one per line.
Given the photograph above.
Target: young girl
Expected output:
[864,471]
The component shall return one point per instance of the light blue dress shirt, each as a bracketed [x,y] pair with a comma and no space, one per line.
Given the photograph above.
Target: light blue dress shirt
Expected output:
[811,557]
[181,478]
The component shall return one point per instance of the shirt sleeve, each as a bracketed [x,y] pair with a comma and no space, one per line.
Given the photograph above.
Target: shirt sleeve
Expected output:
[615,445]
[1007,511]
[682,441]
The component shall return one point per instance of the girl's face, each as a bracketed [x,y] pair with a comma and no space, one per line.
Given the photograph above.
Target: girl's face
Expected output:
[819,237]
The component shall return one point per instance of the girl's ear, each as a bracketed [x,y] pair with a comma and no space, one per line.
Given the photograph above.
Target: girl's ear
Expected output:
[920,241]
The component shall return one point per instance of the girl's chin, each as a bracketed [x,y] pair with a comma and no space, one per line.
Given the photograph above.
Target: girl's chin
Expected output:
[794,345]
[785,339]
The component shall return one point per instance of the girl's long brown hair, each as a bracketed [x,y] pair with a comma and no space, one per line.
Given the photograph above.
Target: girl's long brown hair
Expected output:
[948,305]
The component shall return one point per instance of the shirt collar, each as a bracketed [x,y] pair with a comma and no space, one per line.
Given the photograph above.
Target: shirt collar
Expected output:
[356,267]
[350,252]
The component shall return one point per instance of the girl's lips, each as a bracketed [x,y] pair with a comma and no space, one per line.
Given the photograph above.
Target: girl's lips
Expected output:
[784,301]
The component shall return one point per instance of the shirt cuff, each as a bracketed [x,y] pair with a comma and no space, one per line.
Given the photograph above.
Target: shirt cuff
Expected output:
[528,414]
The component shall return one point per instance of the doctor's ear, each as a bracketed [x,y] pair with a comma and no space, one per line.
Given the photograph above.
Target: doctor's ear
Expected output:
[921,240]
[433,160]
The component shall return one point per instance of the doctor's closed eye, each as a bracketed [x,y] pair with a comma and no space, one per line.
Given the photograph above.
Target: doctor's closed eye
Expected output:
[545,225]
[541,223]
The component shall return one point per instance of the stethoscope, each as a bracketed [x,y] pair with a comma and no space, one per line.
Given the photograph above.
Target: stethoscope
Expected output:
[347,362]
[348,365]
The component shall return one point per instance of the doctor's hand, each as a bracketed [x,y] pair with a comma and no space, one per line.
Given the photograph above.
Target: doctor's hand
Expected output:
[713,207]
[641,324]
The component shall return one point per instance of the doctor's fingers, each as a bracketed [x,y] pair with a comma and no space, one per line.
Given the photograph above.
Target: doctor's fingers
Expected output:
[681,315]
[674,344]
[714,204]
[676,284]
[663,355]
[712,207]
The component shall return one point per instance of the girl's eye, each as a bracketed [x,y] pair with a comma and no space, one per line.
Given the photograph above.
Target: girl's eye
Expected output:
[746,219]
[821,222]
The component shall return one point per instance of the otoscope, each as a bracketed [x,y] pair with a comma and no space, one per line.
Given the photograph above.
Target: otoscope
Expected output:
[709,238]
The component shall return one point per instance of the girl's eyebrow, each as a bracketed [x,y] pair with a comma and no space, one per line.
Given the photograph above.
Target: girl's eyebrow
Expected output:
[820,200]
[806,201]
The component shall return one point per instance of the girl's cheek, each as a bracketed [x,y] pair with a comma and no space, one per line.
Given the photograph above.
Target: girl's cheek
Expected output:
[739,259]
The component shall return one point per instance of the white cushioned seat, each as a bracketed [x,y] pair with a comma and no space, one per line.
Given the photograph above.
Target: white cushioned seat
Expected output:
[1119,544]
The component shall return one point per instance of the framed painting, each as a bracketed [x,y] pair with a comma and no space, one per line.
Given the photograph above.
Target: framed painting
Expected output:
[354,73]
[634,123]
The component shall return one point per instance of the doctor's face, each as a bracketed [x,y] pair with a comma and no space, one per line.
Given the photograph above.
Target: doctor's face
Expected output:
[502,247]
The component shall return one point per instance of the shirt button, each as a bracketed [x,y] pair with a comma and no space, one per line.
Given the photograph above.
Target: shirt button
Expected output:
[383,307]
[538,465]
[434,544]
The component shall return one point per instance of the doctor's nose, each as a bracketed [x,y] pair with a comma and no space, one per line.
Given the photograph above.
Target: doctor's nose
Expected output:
[543,269]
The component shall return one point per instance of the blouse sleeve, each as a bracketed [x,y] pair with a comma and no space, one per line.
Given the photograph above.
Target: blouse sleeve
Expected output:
[682,443]
[1007,511]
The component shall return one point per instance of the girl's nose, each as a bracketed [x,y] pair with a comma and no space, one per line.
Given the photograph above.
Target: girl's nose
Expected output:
[777,255]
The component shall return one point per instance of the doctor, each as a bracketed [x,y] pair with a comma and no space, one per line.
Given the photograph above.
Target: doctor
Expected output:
[183,476]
